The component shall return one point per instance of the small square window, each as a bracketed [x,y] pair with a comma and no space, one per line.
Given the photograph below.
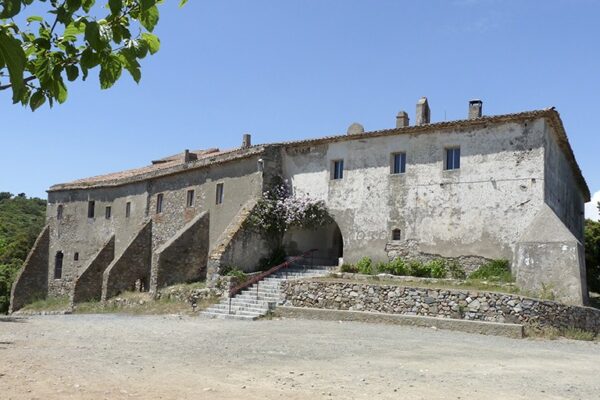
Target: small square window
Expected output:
[190,198]
[91,208]
[219,198]
[398,163]
[59,211]
[452,158]
[127,209]
[337,169]
[107,212]
[396,234]
[159,203]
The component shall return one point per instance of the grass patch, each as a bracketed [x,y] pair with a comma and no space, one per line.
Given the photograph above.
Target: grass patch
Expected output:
[61,303]
[495,270]
[551,333]
[137,303]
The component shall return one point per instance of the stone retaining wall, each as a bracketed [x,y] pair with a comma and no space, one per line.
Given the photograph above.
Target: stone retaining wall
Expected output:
[458,304]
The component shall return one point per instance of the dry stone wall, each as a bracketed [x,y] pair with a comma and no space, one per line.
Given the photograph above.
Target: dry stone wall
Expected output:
[458,304]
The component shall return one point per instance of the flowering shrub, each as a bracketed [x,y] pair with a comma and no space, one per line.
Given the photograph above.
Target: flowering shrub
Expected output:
[278,210]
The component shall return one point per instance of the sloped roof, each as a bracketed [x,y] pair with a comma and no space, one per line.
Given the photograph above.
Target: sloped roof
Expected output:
[176,163]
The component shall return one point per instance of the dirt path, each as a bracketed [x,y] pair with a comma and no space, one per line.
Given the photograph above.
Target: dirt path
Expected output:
[168,357]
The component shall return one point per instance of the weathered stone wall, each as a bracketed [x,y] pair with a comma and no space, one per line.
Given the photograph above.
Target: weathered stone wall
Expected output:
[237,246]
[477,210]
[459,304]
[132,264]
[88,286]
[409,250]
[182,258]
[76,233]
[32,281]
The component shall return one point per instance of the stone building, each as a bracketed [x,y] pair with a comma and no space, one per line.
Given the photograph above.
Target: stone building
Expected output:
[487,187]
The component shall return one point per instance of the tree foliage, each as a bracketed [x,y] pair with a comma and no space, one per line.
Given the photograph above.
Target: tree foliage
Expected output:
[279,209]
[21,220]
[592,254]
[39,55]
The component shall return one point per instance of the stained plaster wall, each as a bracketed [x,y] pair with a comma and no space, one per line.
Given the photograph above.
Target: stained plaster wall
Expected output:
[561,191]
[480,209]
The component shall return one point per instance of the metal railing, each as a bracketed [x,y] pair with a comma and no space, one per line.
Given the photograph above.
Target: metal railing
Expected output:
[257,278]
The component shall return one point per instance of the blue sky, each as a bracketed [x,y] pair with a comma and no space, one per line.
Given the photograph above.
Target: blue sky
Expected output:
[305,68]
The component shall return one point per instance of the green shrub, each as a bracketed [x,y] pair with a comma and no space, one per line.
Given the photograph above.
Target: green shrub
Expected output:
[495,270]
[456,270]
[397,267]
[365,266]
[381,267]
[418,269]
[437,268]
[236,273]
[349,268]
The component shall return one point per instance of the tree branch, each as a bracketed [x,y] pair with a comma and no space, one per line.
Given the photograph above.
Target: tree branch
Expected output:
[28,79]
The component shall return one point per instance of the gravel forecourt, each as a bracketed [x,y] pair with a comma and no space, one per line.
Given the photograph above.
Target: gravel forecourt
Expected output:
[172,357]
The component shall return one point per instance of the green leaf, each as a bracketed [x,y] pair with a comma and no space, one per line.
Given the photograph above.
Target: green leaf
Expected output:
[149,18]
[37,100]
[34,18]
[140,47]
[92,35]
[74,5]
[147,4]
[72,30]
[87,5]
[110,71]
[115,6]
[153,42]
[61,91]
[13,55]
[72,72]
[11,8]
[43,68]
[131,64]
[182,3]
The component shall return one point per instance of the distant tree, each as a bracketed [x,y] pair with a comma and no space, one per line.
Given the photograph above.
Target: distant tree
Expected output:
[38,53]
[5,195]
[592,254]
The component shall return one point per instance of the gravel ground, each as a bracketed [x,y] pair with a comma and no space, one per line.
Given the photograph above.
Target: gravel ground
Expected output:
[170,357]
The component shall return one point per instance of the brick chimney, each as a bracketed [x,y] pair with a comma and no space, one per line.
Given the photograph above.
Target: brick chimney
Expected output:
[475,108]
[402,120]
[246,141]
[423,112]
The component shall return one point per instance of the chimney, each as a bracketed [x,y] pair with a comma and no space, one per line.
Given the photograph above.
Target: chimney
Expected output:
[246,141]
[475,108]
[402,120]
[355,129]
[187,156]
[423,112]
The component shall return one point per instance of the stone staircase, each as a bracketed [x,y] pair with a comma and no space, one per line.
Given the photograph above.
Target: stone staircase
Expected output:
[256,300]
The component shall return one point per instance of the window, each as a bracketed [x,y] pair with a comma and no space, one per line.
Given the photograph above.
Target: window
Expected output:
[59,211]
[453,158]
[190,198]
[159,203]
[91,207]
[76,256]
[58,263]
[219,193]
[398,163]
[396,234]
[127,209]
[337,169]
[107,212]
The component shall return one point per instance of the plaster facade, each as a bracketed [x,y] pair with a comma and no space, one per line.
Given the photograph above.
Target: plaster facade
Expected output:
[181,218]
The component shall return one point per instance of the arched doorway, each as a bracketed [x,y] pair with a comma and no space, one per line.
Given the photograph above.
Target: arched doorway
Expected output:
[327,239]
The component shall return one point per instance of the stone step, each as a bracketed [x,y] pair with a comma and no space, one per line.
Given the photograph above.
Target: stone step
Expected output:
[247,307]
[230,316]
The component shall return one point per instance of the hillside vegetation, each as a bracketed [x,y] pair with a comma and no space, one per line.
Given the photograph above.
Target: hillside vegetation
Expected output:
[21,220]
